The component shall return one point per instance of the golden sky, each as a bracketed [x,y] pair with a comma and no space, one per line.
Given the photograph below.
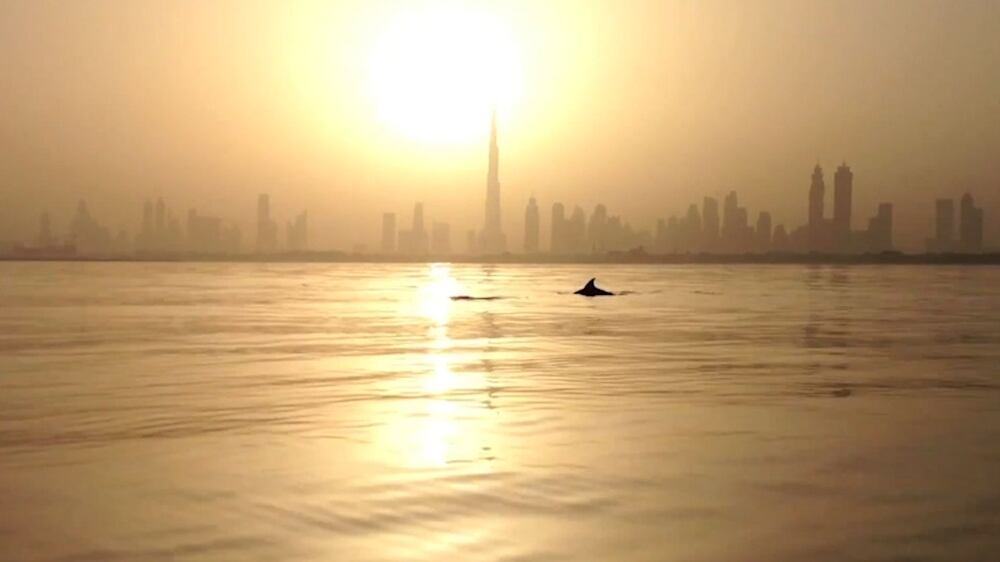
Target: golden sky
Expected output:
[353,108]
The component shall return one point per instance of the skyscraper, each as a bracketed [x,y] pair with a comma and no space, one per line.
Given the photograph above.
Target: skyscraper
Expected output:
[531,227]
[388,233]
[267,229]
[710,223]
[557,241]
[297,233]
[944,226]
[843,182]
[729,207]
[817,194]
[734,225]
[779,241]
[597,230]
[415,240]
[492,239]
[763,233]
[970,228]
[577,231]
[880,229]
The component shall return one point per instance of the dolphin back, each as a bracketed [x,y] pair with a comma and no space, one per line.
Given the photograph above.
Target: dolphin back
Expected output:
[592,290]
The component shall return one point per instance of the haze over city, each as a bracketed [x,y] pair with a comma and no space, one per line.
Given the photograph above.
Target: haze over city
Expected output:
[499,280]
[348,110]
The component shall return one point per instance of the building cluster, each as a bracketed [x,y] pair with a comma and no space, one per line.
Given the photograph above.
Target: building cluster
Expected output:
[725,231]
[85,236]
[415,241]
[161,232]
[600,233]
[970,227]
[710,231]
[835,235]
[296,230]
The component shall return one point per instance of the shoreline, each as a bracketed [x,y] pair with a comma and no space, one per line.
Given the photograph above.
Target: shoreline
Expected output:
[889,258]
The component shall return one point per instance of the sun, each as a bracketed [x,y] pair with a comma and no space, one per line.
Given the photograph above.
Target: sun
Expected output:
[435,74]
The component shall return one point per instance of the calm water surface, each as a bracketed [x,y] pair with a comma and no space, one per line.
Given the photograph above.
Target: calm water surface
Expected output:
[218,412]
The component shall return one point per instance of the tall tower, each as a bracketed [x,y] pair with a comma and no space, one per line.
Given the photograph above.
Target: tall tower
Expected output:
[266,229]
[557,240]
[843,185]
[970,226]
[764,232]
[710,223]
[817,194]
[492,239]
[944,225]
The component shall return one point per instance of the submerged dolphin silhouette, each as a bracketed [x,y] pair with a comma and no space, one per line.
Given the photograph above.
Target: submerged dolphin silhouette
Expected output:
[592,290]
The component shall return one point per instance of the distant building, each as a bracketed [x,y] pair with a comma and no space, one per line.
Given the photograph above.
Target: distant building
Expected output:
[737,235]
[880,229]
[817,224]
[660,240]
[970,226]
[531,227]
[780,241]
[710,223]
[160,230]
[388,233]
[691,231]
[297,233]
[86,234]
[493,240]
[843,185]
[944,227]
[730,222]
[558,238]
[204,234]
[267,228]
[763,234]
[598,231]
[577,231]
[415,241]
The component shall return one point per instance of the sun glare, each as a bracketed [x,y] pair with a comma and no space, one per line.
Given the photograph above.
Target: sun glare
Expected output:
[435,74]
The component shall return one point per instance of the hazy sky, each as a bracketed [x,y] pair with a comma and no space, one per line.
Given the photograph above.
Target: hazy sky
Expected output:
[353,108]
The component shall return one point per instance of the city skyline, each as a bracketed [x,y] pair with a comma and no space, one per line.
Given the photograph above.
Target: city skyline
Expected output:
[644,108]
[826,230]
[700,231]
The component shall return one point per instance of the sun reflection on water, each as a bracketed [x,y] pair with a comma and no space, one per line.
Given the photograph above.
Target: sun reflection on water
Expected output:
[435,296]
[446,422]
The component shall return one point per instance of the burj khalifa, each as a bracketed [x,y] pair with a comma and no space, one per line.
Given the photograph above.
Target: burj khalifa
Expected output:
[492,239]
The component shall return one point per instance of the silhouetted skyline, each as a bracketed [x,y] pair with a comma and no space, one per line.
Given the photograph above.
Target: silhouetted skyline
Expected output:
[644,107]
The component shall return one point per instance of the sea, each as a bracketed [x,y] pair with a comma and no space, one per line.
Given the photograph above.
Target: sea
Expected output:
[382,412]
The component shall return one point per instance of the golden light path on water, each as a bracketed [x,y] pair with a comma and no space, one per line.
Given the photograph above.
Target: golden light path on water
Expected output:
[445,422]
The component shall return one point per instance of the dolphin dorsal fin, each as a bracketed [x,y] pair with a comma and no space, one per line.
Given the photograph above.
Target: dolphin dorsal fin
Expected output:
[590,284]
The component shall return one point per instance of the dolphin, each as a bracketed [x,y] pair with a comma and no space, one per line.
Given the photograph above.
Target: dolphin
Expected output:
[592,290]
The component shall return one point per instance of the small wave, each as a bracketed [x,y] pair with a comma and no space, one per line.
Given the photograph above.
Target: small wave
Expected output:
[472,298]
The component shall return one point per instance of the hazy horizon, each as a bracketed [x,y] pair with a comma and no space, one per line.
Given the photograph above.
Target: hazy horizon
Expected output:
[645,108]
